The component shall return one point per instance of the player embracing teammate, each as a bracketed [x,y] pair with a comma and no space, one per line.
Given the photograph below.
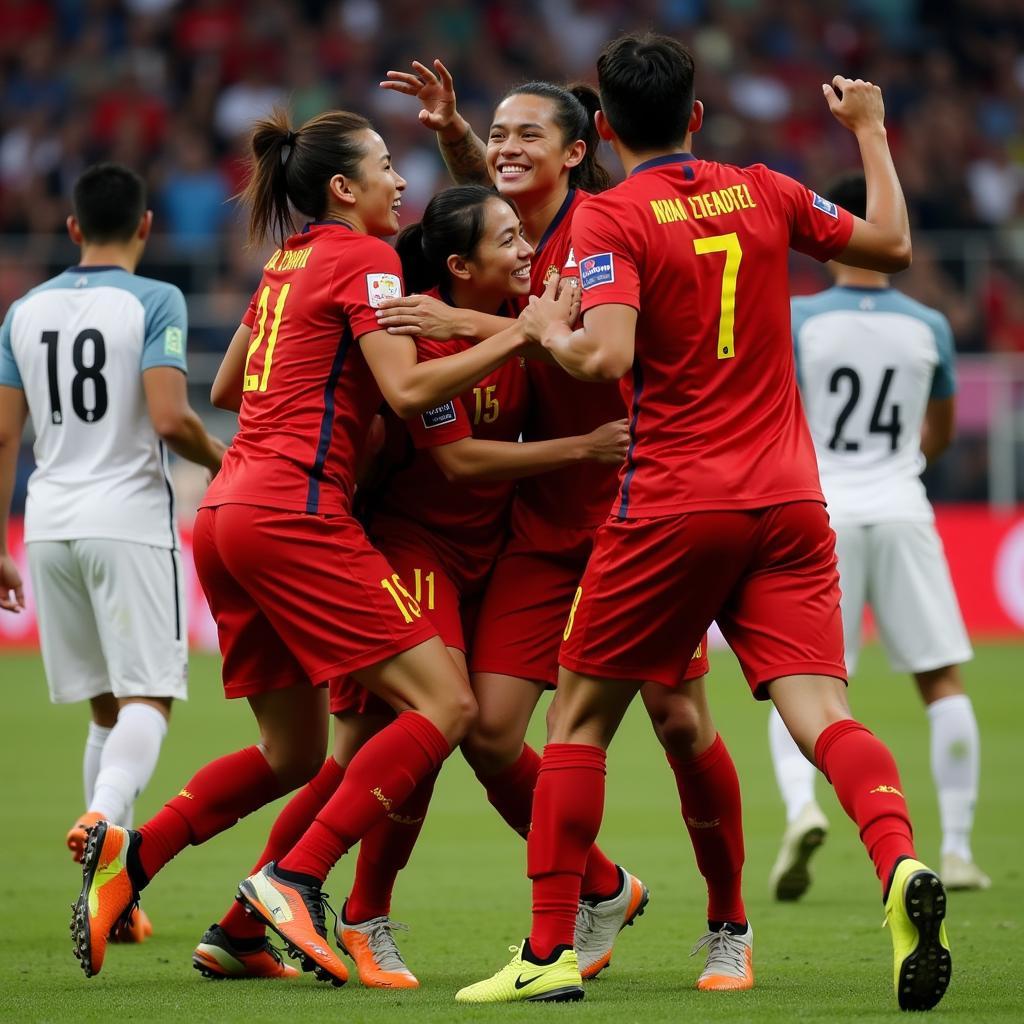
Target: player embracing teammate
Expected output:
[719,515]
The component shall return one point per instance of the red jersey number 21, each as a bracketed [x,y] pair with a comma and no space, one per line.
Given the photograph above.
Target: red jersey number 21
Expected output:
[259,381]
[730,245]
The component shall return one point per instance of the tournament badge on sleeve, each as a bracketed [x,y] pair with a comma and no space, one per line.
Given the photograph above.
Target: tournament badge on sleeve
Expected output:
[382,286]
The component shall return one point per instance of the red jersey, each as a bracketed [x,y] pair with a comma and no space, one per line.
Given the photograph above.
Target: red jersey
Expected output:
[467,512]
[562,406]
[308,395]
[701,251]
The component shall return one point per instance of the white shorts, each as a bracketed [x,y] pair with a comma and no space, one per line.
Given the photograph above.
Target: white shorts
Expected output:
[900,570]
[111,619]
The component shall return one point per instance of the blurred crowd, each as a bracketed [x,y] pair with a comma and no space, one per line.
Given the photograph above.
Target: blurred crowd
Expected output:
[170,87]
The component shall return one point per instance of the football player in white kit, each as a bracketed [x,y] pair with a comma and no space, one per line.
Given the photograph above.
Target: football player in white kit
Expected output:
[877,378]
[96,356]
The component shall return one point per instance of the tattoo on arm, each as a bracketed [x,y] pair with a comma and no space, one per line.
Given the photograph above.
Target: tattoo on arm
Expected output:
[466,159]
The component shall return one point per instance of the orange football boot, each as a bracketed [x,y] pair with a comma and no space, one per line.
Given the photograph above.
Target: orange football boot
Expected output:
[108,894]
[217,957]
[730,963]
[78,834]
[372,946]
[296,912]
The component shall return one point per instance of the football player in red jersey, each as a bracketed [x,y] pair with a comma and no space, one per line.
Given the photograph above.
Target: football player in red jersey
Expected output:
[299,594]
[439,516]
[719,515]
[541,152]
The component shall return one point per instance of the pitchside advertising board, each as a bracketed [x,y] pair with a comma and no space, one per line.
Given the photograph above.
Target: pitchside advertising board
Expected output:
[985,552]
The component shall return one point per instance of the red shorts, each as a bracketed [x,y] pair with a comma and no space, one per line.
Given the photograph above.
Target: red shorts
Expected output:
[298,597]
[446,580]
[653,586]
[526,606]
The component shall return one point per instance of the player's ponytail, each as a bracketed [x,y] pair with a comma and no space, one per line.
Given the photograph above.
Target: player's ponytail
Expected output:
[452,225]
[575,106]
[290,170]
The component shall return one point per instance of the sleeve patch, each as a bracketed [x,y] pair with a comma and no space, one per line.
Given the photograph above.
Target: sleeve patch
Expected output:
[382,286]
[595,270]
[439,416]
[174,342]
[825,206]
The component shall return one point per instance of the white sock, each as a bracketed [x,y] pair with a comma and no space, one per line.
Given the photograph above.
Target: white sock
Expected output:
[955,749]
[128,760]
[94,742]
[793,772]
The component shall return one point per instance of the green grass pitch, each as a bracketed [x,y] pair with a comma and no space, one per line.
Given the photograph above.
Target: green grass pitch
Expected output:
[465,895]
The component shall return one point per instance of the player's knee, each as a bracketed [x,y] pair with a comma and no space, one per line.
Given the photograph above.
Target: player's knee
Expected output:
[294,764]
[679,730]
[455,714]
[489,747]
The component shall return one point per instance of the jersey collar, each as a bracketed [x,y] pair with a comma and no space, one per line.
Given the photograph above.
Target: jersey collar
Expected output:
[326,220]
[868,288]
[79,269]
[558,218]
[505,309]
[661,161]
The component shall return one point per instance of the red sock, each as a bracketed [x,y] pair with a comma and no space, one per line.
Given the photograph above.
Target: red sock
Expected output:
[867,783]
[380,778]
[292,822]
[384,851]
[709,797]
[567,807]
[213,800]
[510,792]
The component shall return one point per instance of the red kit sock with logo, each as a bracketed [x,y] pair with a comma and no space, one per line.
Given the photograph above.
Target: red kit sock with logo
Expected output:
[867,783]
[380,778]
[214,798]
[296,816]
[383,852]
[510,792]
[567,807]
[709,796]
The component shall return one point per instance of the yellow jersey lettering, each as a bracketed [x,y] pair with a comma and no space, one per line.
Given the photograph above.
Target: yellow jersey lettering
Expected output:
[271,264]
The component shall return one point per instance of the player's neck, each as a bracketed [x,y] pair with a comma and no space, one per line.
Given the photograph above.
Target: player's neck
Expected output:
[97,255]
[631,159]
[537,217]
[465,296]
[854,277]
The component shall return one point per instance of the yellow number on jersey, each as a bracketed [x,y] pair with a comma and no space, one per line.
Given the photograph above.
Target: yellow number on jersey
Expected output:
[407,604]
[486,405]
[572,613]
[419,577]
[258,381]
[730,245]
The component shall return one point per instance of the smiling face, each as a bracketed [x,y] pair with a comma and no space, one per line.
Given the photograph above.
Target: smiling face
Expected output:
[526,153]
[500,264]
[376,194]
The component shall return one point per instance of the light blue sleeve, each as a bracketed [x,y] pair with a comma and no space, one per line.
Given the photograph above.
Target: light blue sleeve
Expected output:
[166,328]
[10,375]
[944,381]
[799,314]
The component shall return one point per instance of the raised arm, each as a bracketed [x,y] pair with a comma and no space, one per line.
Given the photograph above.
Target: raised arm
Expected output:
[423,316]
[600,350]
[13,412]
[472,458]
[463,152]
[411,387]
[882,241]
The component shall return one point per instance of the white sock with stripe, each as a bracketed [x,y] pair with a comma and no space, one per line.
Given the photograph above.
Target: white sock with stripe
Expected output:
[94,743]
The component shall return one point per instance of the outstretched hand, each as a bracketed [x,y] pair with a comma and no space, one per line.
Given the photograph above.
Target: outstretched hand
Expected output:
[419,315]
[854,103]
[434,89]
[558,303]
